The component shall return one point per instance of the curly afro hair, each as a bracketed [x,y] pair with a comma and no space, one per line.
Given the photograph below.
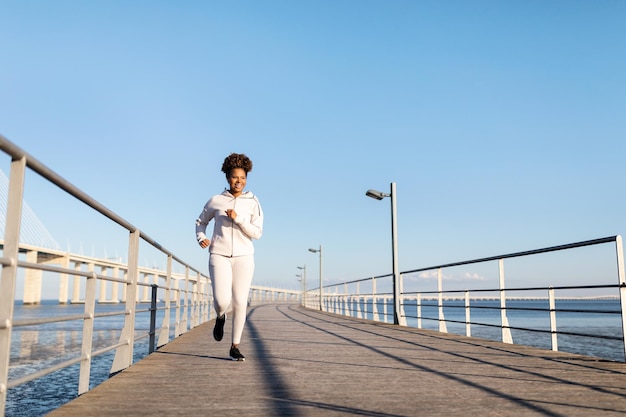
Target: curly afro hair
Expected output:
[236,160]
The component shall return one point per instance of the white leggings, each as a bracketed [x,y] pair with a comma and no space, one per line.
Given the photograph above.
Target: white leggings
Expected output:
[231,279]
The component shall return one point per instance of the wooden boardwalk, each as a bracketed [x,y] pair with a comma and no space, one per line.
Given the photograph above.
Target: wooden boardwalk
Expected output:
[308,363]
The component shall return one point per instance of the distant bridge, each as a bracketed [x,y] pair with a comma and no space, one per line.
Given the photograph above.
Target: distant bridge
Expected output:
[38,260]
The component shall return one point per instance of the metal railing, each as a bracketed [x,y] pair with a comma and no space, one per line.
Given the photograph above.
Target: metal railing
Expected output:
[346,298]
[187,296]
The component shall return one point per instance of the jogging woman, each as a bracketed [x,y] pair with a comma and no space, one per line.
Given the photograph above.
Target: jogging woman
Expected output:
[238,219]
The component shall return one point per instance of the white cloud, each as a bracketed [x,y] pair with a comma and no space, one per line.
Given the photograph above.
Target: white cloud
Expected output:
[473,276]
[433,274]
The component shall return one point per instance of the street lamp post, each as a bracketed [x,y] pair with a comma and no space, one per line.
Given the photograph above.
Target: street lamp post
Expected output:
[300,281]
[320,252]
[303,268]
[378,195]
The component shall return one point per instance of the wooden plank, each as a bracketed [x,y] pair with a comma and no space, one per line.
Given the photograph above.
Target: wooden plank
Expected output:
[307,363]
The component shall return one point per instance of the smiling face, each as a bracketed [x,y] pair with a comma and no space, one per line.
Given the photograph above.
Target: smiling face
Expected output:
[237,181]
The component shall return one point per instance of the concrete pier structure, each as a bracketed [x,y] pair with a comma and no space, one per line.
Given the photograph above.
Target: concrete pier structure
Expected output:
[32,280]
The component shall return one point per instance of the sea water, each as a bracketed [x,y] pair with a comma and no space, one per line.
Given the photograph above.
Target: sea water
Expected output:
[36,347]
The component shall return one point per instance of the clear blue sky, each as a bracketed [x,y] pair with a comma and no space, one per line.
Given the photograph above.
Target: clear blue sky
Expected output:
[503,123]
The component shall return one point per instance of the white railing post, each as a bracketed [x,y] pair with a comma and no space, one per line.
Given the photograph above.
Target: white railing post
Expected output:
[418,301]
[340,304]
[358,301]
[506,331]
[198,298]
[185,315]
[385,307]
[346,298]
[124,354]
[177,331]
[553,330]
[622,285]
[209,299]
[8,278]
[204,299]
[85,350]
[348,302]
[164,334]
[402,316]
[194,301]
[442,319]
[364,306]
[375,316]
[468,325]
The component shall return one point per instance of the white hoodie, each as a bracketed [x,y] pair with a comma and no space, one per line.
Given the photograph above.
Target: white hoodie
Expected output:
[231,238]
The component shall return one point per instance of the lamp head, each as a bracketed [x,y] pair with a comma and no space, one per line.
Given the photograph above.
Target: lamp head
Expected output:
[314,250]
[375,194]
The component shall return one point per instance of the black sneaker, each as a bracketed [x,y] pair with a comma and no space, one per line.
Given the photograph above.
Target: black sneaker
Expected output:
[236,355]
[218,330]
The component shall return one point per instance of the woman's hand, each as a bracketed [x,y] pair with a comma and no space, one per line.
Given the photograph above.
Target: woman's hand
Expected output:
[231,214]
[205,243]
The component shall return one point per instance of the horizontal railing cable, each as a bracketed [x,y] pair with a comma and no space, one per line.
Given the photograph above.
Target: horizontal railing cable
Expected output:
[581,244]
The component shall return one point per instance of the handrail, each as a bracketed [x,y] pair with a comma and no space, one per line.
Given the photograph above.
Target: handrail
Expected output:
[366,305]
[608,239]
[562,287]
[190,302]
